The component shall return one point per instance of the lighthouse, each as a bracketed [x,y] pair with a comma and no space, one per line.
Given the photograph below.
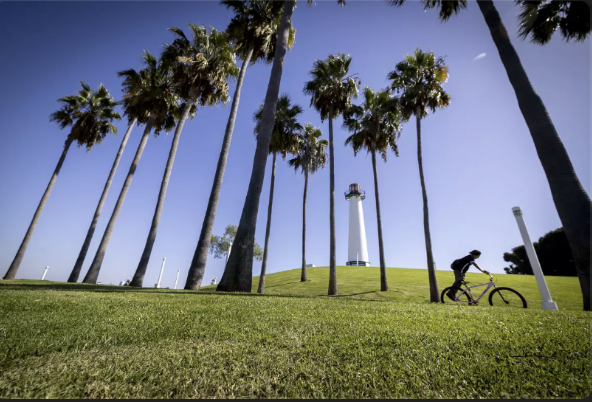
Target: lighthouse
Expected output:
[357,253]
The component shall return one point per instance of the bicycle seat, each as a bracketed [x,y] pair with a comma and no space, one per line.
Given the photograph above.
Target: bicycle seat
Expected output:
[465,282]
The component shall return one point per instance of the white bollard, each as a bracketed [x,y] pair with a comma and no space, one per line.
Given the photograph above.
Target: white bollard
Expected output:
[44,273]
[547,303]
[357,258]
[160,276]
[176,279]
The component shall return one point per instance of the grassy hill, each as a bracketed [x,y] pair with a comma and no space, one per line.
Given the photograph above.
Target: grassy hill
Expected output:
[60,340]
[412,285]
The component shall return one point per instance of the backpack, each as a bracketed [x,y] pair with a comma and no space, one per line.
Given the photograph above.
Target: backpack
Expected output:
[454,265]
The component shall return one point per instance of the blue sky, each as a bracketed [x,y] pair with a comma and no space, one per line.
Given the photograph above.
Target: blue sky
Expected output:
[479,158]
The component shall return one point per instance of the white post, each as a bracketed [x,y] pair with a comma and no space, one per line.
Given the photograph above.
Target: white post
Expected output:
[547,303]
[176,279]
[160,276]
[228,254]
[357,259]
[45,272]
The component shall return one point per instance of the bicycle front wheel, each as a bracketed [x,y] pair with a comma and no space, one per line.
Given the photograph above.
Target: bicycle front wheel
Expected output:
[506,297]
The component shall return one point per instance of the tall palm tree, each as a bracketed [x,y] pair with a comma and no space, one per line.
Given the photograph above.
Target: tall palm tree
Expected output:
[375,126]
[284,139]
[149,98]
[331,92]
[571,200]
[419,79]
[311,157]
[89,113]
[201,69]
[239,269]
[253,31]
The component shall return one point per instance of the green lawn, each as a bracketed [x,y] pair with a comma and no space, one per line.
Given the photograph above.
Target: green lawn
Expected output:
[84,341]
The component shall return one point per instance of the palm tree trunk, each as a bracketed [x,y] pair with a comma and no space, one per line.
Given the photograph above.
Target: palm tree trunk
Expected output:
[572,203]
[261,288]
[11,273]
[93,272]
[138,278]
[332,257]
[238,274]
[434,294]
[383,281]
[303,277]
[89,235]
[198,264]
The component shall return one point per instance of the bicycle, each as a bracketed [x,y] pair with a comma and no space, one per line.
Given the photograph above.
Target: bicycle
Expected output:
[502,296]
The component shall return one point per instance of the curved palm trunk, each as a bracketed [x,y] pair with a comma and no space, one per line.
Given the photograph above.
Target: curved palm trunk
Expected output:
[198,264]
[332,257]
[93,272]
[89,235]
[383,281]
[12,270]
[138,278]
[238,274]
[434,294]
[572,203]
[261,288]
[303,277]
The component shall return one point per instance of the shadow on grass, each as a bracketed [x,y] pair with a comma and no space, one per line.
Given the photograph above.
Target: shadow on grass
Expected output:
[83,287]
[282,284]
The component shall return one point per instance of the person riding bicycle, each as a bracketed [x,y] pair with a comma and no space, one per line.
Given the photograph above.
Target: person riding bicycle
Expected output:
[460,267]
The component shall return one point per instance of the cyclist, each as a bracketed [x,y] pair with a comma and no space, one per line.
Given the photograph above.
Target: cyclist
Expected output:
[460,267]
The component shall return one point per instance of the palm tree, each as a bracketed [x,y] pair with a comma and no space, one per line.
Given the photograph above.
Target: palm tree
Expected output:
[253,31]
[419,78]
[149,98]
[89,113]
[239,269]
[331,92]
[201,68]
[540,20]
[221,246]
[310,158]
[375,126]
[284,139]
[571,200]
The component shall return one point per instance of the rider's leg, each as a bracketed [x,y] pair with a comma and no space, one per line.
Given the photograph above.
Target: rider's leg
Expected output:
[458,278]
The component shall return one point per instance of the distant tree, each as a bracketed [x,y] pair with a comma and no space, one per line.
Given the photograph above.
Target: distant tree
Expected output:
[90,114]
[219,245]
[253,31]
[284,140]
[311,157]
[553,252]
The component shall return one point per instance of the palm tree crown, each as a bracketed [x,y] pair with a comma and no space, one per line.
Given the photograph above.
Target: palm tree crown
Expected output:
[254,26]
[284,137]
[89,113]
[446,7]
[312,154]
[201,67]
[151,92]
[540,20]
[419,78]
[376,124]
[329,86]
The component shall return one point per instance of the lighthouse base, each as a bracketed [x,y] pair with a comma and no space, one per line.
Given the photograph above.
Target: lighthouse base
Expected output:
[357,263]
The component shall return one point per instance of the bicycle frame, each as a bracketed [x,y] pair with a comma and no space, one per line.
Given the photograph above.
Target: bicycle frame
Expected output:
[467,290]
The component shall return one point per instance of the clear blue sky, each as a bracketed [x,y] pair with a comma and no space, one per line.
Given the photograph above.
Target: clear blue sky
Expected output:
[479,158]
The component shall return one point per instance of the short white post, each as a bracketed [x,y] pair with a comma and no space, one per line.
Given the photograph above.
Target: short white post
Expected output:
[228,254]
[160,276]
[547,303]
[176,279]
[45,272]
[357,258]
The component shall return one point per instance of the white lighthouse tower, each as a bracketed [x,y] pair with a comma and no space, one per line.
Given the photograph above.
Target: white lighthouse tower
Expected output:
[357,253]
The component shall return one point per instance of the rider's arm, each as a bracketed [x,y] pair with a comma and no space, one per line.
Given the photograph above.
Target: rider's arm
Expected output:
[478,267]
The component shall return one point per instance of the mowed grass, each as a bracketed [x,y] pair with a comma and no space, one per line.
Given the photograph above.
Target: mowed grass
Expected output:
[84,341]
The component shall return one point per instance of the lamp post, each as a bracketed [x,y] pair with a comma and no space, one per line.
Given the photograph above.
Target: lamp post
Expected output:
[160,276]
[45,273]
[547,303]
[176,279]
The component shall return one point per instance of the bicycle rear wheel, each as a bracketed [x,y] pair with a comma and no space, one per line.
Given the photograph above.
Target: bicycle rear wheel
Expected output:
[506,297]
[460,297]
